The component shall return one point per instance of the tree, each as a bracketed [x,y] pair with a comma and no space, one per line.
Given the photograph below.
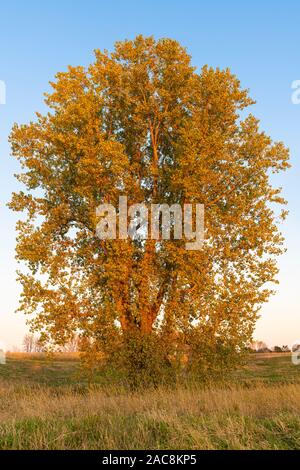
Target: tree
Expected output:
[143,122]
[29,343]
[32,344]
[258,345]
[72,345]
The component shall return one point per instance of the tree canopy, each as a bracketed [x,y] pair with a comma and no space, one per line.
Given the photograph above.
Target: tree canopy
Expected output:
[143,122]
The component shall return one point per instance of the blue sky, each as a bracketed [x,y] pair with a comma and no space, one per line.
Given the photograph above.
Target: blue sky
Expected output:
[259,41]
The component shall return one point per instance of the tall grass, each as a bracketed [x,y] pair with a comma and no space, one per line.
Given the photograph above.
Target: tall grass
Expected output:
[231,417]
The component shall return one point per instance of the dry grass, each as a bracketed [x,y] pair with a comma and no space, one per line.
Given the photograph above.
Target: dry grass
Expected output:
[264,417]
[58,356]
[46,404]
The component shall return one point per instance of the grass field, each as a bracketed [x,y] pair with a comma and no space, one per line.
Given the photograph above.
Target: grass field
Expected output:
[48,404]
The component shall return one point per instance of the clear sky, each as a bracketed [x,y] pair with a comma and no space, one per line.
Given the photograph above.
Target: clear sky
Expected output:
[258,40]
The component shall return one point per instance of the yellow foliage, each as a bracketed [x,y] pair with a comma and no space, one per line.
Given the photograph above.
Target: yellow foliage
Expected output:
[143,122]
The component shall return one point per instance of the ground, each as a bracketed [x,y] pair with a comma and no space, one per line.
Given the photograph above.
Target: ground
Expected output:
[48,404]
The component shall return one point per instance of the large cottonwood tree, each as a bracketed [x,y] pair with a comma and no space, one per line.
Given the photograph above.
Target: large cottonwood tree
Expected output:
[143,122]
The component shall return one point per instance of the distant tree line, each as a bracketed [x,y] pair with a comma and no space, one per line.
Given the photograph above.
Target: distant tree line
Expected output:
[34,344]
[261,347]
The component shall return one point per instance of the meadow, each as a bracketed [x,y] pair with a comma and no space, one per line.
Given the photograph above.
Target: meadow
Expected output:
[48,404]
